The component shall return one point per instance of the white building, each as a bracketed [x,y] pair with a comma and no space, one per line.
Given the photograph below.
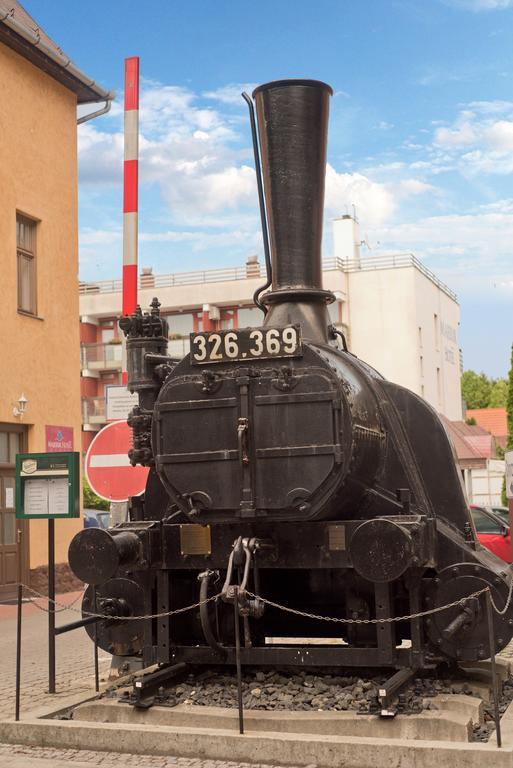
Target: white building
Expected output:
[402,320]
[396,315]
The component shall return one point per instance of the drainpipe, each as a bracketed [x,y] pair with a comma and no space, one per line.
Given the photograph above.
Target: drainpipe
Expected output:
[92,115]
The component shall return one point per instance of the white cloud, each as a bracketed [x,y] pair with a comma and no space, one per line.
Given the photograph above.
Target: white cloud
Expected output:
[415,187]
[461,135]
[481,5]
[499,136]
[230,94]
[374,202]
[480,140]
[471,250]
[491,107]
[100,155]
[186,149]
[195,157]
[201,164]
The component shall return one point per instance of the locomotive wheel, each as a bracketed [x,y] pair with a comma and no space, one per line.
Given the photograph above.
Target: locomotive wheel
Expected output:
[121,597]
[464,636]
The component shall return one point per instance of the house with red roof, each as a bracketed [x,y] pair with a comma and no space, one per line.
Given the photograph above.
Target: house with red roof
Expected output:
[475,450]
[494,420]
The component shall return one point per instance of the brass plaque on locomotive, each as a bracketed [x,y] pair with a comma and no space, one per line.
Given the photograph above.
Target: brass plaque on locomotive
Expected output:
[337,538]
[195,539]
[246,344]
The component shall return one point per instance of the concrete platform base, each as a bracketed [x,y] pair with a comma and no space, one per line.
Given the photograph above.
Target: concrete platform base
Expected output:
[452,721]
[297,749]
[432,739]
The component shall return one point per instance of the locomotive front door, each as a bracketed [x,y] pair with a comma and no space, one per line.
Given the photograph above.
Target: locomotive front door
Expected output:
[294,432]
[198,444]
[260,439]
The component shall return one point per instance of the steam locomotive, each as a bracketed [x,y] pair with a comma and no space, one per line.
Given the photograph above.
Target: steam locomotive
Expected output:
[284,471]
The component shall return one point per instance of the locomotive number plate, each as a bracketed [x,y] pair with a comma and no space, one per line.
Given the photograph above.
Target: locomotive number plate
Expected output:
[246,344]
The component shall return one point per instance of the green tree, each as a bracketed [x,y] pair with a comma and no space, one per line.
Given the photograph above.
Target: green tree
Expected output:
[498,394]
[476,389]
[91,500]
[509,403]
[509,414]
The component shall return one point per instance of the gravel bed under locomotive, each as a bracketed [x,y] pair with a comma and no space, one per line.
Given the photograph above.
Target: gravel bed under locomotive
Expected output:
[283,465]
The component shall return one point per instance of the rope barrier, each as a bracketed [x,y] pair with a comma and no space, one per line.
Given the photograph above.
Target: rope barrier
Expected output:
[333,619]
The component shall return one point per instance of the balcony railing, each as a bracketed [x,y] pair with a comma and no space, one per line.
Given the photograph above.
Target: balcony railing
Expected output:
[391,261]
[93,410]
[101,356]
[386,261]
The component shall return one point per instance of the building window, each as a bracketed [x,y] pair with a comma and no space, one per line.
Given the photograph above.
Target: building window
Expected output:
[227,320]
[421,366]
[420,337]
[335,312]
[439,387]
[26,257]
[180,325]
[249,316]
[437,337]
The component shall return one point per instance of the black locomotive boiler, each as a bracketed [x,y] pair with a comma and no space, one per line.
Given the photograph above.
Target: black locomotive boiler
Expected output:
[285,469]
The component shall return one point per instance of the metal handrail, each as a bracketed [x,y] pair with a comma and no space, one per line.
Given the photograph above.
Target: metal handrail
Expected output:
[102,353]
[91,407]
[386,261]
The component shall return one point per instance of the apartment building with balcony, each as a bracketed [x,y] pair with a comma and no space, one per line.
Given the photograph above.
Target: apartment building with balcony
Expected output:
[394,312]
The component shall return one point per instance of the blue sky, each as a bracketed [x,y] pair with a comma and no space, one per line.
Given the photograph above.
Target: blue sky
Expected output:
[421,134]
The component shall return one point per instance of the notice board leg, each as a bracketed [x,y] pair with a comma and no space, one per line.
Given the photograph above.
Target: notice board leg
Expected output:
[96,668]
[51,606]
[18,653]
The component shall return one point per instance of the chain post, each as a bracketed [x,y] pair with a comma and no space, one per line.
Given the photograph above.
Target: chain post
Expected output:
[18,652]
[237,658]
[495,686]
[95,637]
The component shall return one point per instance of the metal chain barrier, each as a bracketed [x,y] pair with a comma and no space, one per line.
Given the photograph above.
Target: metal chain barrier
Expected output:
[91,614]
[338,620]
[502,611]
[278,606]
[65,606]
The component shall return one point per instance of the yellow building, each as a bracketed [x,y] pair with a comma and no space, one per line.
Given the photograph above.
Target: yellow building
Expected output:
[40,89]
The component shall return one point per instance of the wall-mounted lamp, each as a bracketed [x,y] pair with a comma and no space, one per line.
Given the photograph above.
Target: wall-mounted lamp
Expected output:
[19,410]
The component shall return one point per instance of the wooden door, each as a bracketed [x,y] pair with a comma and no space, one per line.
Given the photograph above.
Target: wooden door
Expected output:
[13,538]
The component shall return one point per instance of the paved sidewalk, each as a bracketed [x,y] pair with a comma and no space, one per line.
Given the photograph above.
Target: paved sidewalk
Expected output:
[17,756]
[74,678]
[74,658]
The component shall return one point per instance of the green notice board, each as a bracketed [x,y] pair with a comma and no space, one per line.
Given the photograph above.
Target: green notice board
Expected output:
[47,485]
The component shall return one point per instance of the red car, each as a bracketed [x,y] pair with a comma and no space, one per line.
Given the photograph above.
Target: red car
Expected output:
[492,532]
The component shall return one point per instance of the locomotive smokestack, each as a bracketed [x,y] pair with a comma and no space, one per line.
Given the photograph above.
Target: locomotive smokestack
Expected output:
[293,132]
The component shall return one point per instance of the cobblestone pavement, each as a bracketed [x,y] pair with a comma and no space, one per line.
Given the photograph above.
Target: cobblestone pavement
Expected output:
[17,756]
[74,658]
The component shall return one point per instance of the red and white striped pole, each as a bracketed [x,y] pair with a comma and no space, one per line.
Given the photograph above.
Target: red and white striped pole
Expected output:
[130,185]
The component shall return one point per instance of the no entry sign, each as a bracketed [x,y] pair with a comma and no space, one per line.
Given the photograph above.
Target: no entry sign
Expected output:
[107,467]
